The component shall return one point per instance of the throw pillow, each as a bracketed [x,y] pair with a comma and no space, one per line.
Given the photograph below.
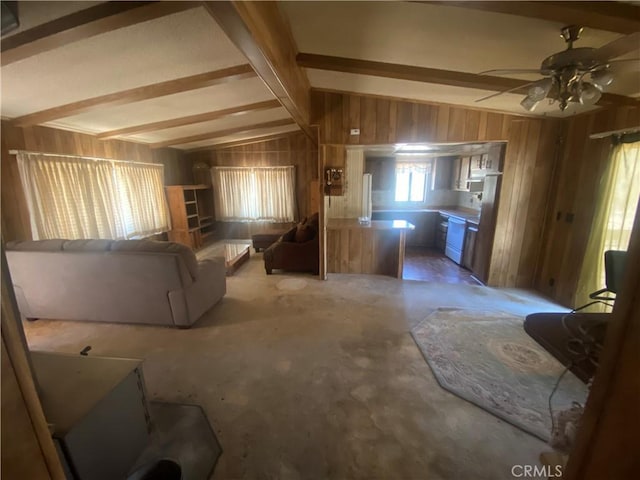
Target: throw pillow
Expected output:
[313,220]
[304,233]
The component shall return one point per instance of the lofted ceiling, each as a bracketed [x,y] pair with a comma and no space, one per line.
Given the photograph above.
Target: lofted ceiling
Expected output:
[194,75]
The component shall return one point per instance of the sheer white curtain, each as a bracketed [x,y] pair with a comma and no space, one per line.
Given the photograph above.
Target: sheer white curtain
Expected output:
[411,180]
[69,197]
[78,198]
[254,193]
[141,198]
[613,220]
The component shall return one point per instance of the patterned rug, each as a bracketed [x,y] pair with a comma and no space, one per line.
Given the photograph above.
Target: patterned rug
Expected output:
[487,358]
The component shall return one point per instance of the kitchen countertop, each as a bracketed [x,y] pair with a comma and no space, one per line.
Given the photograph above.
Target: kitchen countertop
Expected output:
[351,223]
[471,216]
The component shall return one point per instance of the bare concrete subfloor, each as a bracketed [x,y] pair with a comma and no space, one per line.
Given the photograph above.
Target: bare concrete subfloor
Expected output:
[305,379]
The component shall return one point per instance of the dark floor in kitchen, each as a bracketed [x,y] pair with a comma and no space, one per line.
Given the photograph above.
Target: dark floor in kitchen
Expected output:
[430,265]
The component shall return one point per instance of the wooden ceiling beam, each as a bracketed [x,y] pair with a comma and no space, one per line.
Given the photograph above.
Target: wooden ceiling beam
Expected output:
[432,75]
[84,24]
[248,141]
[223,133]
[408,72]
[189,120]
[155,90]
[616,17]
[263,35]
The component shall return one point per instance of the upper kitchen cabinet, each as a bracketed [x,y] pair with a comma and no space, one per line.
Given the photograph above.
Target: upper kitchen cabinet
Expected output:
[442,172]
[494,158]
[383,172]
[461,172]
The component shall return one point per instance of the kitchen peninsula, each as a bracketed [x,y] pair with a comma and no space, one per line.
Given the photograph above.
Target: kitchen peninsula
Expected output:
[376,247]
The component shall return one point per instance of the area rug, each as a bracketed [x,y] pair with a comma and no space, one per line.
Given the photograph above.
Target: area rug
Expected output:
[487,358]
[183,434]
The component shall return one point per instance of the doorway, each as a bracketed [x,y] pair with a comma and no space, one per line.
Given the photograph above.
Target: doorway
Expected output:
[430,186]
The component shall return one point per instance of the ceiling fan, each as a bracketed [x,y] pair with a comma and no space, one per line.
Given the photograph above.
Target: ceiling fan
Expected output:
[572,75]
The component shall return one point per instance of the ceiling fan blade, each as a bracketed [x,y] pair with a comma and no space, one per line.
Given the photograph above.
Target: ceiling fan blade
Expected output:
[619,47]
[510,71]
[506,91]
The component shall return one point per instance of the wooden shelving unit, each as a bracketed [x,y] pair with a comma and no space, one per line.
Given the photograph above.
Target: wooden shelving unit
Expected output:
[191,209]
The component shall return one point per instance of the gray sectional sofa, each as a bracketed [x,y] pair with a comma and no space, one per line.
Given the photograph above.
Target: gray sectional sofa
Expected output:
[118,281]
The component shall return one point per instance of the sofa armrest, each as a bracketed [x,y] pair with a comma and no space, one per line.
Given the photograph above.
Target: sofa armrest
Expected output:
[208,288]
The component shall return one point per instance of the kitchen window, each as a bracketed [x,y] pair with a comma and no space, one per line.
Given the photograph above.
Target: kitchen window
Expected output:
[412,180]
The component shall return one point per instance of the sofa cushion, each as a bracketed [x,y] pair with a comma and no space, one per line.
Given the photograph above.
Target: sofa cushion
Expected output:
[290,235]
[157,246]
[304,233]
[313,220]
[52,245]
[96,245]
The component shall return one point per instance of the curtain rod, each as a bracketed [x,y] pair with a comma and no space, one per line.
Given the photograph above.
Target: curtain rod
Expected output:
[254,168]
[614,132]
[15,152]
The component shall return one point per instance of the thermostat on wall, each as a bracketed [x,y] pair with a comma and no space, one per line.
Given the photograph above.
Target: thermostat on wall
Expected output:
[355,131]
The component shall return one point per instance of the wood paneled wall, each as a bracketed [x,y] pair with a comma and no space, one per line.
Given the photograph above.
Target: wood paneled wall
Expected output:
[15,216]
[573,199]
[295,149]
[529,161]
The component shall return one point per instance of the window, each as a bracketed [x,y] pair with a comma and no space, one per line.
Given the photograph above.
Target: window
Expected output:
[251,194]
[411,181]
[614,216]
[79,198]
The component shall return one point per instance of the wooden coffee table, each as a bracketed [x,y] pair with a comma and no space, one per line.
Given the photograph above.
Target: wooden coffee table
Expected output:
[235,254]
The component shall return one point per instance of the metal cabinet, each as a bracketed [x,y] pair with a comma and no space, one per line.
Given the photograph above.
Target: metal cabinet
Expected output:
[98,412]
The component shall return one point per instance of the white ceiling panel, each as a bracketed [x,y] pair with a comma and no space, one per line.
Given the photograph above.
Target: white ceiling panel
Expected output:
[234,138]
[406,89]
[437,36]
[211,126]
[217,97]
[426,35]
[174,46]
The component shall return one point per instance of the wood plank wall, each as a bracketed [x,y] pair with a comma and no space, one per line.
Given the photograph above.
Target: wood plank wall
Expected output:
[529,161]
[15,216]
[295,149]
[572,206]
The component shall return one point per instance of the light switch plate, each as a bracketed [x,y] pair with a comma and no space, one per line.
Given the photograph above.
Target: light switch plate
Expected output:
[355,131]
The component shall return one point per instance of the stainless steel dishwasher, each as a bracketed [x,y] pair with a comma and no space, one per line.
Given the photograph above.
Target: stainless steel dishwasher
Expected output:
[455,239]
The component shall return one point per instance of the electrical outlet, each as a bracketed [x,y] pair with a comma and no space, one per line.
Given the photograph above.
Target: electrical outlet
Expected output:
[355,131]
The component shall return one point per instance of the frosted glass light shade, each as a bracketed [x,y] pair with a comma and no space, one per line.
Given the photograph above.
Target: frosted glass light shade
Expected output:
[602,79]
[589,94]
[539,90]
[528,103]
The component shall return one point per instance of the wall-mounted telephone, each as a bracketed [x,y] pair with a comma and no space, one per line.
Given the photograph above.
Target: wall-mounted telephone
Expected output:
[333,181]
[333,176]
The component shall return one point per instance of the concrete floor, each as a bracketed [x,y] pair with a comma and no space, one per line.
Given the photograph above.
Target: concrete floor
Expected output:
[302,378]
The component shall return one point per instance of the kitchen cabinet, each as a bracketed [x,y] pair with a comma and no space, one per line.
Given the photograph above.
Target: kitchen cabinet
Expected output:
[383,172]
[424,222]
[469,245]
[441,232]
[442,172]
[461,173]
[486,229]
[493,161]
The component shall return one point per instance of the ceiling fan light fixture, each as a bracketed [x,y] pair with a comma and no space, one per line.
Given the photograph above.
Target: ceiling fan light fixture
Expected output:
[540,89]
[589,94]
[528,103]
[602,79]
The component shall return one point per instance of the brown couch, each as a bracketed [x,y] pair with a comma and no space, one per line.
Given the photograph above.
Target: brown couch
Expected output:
[298,250]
